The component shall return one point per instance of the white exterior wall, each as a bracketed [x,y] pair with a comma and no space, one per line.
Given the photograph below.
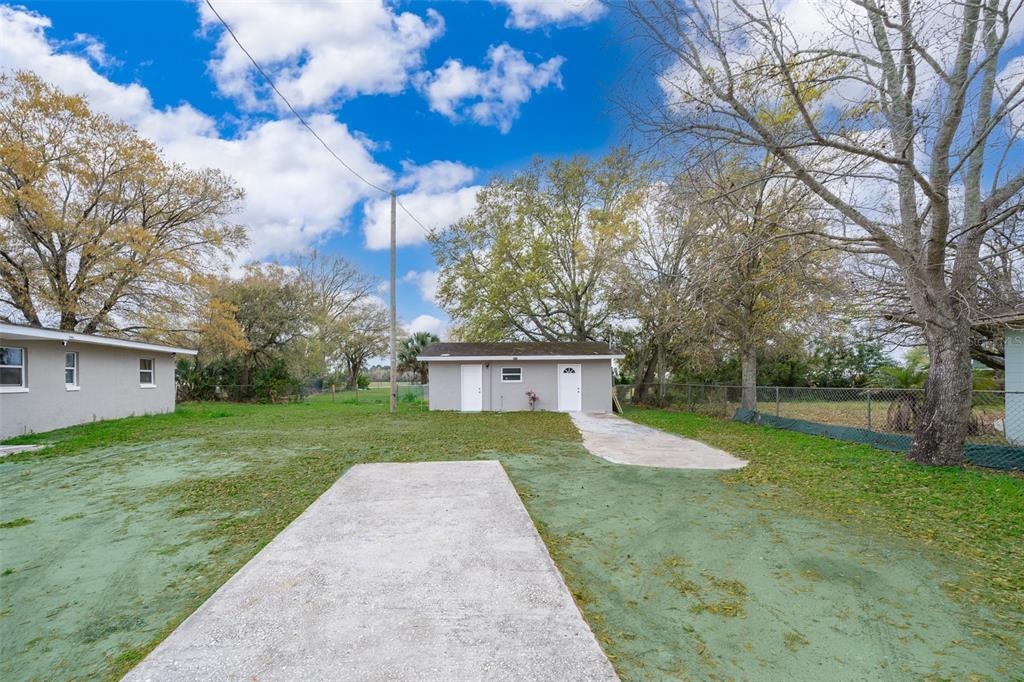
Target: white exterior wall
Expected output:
[539,376]
[1014,363]
[108,381]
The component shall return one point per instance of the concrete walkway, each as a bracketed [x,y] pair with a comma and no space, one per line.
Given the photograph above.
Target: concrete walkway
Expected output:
[624,442]
[427,571]
[15,449]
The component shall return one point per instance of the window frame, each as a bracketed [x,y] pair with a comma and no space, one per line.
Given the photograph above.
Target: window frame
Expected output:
[74,385]
[151,370]
[23,386]
[512,381]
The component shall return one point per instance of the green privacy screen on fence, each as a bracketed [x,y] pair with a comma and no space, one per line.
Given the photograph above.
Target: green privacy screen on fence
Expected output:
[992,456]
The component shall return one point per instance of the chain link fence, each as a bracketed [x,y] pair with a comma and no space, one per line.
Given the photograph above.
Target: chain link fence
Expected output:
[997,417]
[405,392]
[240,393]
[288,393]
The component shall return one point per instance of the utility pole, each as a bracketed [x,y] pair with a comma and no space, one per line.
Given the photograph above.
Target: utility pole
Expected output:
[394,314]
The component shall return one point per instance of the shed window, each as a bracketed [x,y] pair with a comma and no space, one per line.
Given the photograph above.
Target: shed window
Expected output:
[70,369]
[12,367]
[146,374]
[511,374]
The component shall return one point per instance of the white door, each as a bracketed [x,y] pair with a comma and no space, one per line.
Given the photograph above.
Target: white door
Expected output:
[472,388]
[570,384]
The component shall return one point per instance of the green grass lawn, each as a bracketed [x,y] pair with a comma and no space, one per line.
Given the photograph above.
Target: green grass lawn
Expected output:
[821,560]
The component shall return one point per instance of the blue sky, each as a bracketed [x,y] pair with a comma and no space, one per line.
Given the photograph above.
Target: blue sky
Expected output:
[441,97]
[432,99]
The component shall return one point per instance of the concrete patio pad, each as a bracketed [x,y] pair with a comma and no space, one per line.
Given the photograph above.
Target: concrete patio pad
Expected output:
[426,571]
[624,442]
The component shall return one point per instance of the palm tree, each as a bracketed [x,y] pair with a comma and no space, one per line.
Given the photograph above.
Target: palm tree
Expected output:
[905,404]
[411,347]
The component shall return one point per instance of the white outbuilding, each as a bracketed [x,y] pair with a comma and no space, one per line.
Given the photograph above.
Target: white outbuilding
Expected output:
[506,377]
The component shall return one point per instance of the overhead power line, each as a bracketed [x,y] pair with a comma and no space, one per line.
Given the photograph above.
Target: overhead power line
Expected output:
[302,120]
[415,219]
[393,196]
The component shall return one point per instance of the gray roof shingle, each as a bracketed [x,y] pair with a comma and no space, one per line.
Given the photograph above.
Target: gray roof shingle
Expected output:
[517,348]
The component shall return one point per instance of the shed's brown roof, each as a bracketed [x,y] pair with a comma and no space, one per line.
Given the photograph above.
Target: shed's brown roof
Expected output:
[1010,317]
[516,348]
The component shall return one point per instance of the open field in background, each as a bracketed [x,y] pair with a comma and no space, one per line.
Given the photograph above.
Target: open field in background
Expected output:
[855,414]
[889,410]
[821,559]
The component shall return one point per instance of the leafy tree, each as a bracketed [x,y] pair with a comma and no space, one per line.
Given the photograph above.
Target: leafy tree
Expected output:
[269,307]
[534,259]
[97,231]
[912,153]
[363,333]
[846,360]
[912,374]
[411,347]
[756,287]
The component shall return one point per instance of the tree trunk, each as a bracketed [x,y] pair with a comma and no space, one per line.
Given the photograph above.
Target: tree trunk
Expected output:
[660,359]
[943,420]
[353,374]
[646,376]
[246,370]
[748,381]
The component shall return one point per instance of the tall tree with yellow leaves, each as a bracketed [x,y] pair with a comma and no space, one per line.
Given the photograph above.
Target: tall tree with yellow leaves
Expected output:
[98,232]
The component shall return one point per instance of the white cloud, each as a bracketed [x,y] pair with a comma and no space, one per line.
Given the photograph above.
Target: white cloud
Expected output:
[24,46]
[492,97]
[428,323]
[94,49]
[296,193]
[426,282]
[318,51]
[436,176]
[1006,81]
[528,14]
[440,195]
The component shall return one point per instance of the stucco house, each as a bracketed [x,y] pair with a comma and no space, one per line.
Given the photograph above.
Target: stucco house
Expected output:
[1013,348]
[50,379]
[500,377]
[1009,323]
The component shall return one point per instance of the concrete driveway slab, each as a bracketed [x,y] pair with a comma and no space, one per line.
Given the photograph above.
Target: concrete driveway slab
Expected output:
[624,442]
[426,571]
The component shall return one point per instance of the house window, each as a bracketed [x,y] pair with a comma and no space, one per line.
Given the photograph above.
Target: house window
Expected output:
[147,377]
[71,370]
[12,367]
[511,375]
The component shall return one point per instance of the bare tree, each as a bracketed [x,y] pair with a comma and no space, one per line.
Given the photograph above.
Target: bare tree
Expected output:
[336,283]
[336,287]
[895,115]
[652,279]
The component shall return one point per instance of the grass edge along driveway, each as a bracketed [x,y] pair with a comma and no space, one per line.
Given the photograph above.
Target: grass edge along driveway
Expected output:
[127,526]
